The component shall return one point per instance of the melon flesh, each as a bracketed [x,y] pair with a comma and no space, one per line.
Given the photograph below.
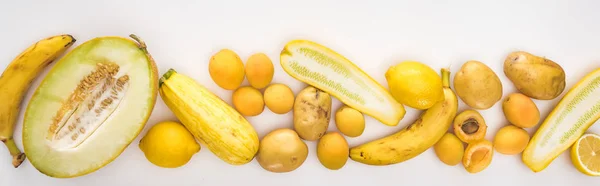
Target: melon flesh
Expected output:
[92,104]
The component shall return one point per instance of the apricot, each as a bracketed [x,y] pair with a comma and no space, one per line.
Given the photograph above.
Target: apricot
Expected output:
[511,140]
[248,101]
[469,126]
[226,69]
[449,149]
[259,70]
[520,110]
[478,156]
[349,121]
[333,151]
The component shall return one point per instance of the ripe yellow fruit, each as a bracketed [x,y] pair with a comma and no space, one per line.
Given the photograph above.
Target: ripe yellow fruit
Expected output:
[333,151]
[279,98]
[169,144]
[585,155]
[449,149]
[520,110]
[248,101]
[259,70]
[414,84]
[349,121]
[226,69]
[511,140]
[478,156]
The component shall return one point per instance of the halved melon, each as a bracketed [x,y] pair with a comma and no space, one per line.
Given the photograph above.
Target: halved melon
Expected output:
[90,106]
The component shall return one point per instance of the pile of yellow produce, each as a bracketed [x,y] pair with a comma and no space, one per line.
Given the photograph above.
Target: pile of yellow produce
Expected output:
[97,99]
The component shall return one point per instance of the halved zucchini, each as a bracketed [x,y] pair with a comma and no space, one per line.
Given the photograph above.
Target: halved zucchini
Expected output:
[90,106]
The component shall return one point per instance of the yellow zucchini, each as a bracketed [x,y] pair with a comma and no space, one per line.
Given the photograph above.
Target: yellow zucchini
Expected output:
[329,71]
[213,122]
[573,115]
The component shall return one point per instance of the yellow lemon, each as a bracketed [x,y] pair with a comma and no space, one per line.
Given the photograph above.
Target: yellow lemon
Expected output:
[414,84]
[585,154]
[169,144]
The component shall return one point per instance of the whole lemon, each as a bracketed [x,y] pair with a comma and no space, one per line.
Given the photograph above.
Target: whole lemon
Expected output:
[169,144]
[414,84]
[226,69]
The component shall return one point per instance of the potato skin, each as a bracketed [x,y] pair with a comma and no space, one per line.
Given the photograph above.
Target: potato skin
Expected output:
[534,76]
[477,85]
[312,113]
[281,151]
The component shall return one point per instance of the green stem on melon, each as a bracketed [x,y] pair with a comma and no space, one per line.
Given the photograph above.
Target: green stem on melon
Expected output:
[18,156]
[445,78]
[166,76]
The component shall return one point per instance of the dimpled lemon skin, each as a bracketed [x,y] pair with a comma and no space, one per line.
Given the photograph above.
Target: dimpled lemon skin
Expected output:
[169,144]
[349,121]
[414,84]
[226,69]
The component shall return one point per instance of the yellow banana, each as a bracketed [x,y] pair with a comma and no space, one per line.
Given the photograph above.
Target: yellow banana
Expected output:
[416,138]
[16,80]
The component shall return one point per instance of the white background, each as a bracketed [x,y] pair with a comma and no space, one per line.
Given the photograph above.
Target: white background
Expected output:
[183,34]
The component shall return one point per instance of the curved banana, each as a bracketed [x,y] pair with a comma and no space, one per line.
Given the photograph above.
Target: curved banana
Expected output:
[416,138]
[16,80]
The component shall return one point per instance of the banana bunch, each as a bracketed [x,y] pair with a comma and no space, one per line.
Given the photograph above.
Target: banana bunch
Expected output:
[431,125]
[16,80]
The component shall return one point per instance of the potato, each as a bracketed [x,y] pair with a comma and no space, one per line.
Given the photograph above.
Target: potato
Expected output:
[312,113]
[534,76]
[281,151]
[477,85]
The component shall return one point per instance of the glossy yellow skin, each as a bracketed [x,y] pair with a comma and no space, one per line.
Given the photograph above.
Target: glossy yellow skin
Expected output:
[449,149]
[214,123]
[259,70]
[226,69]
[169,144]
[248,101]
[349,121]
[414,84]
[282,150]
[415,139]
[16,80]
[279,98]
[332,151]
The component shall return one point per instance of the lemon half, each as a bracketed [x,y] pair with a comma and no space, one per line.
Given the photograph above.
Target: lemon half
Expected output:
[585,154]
